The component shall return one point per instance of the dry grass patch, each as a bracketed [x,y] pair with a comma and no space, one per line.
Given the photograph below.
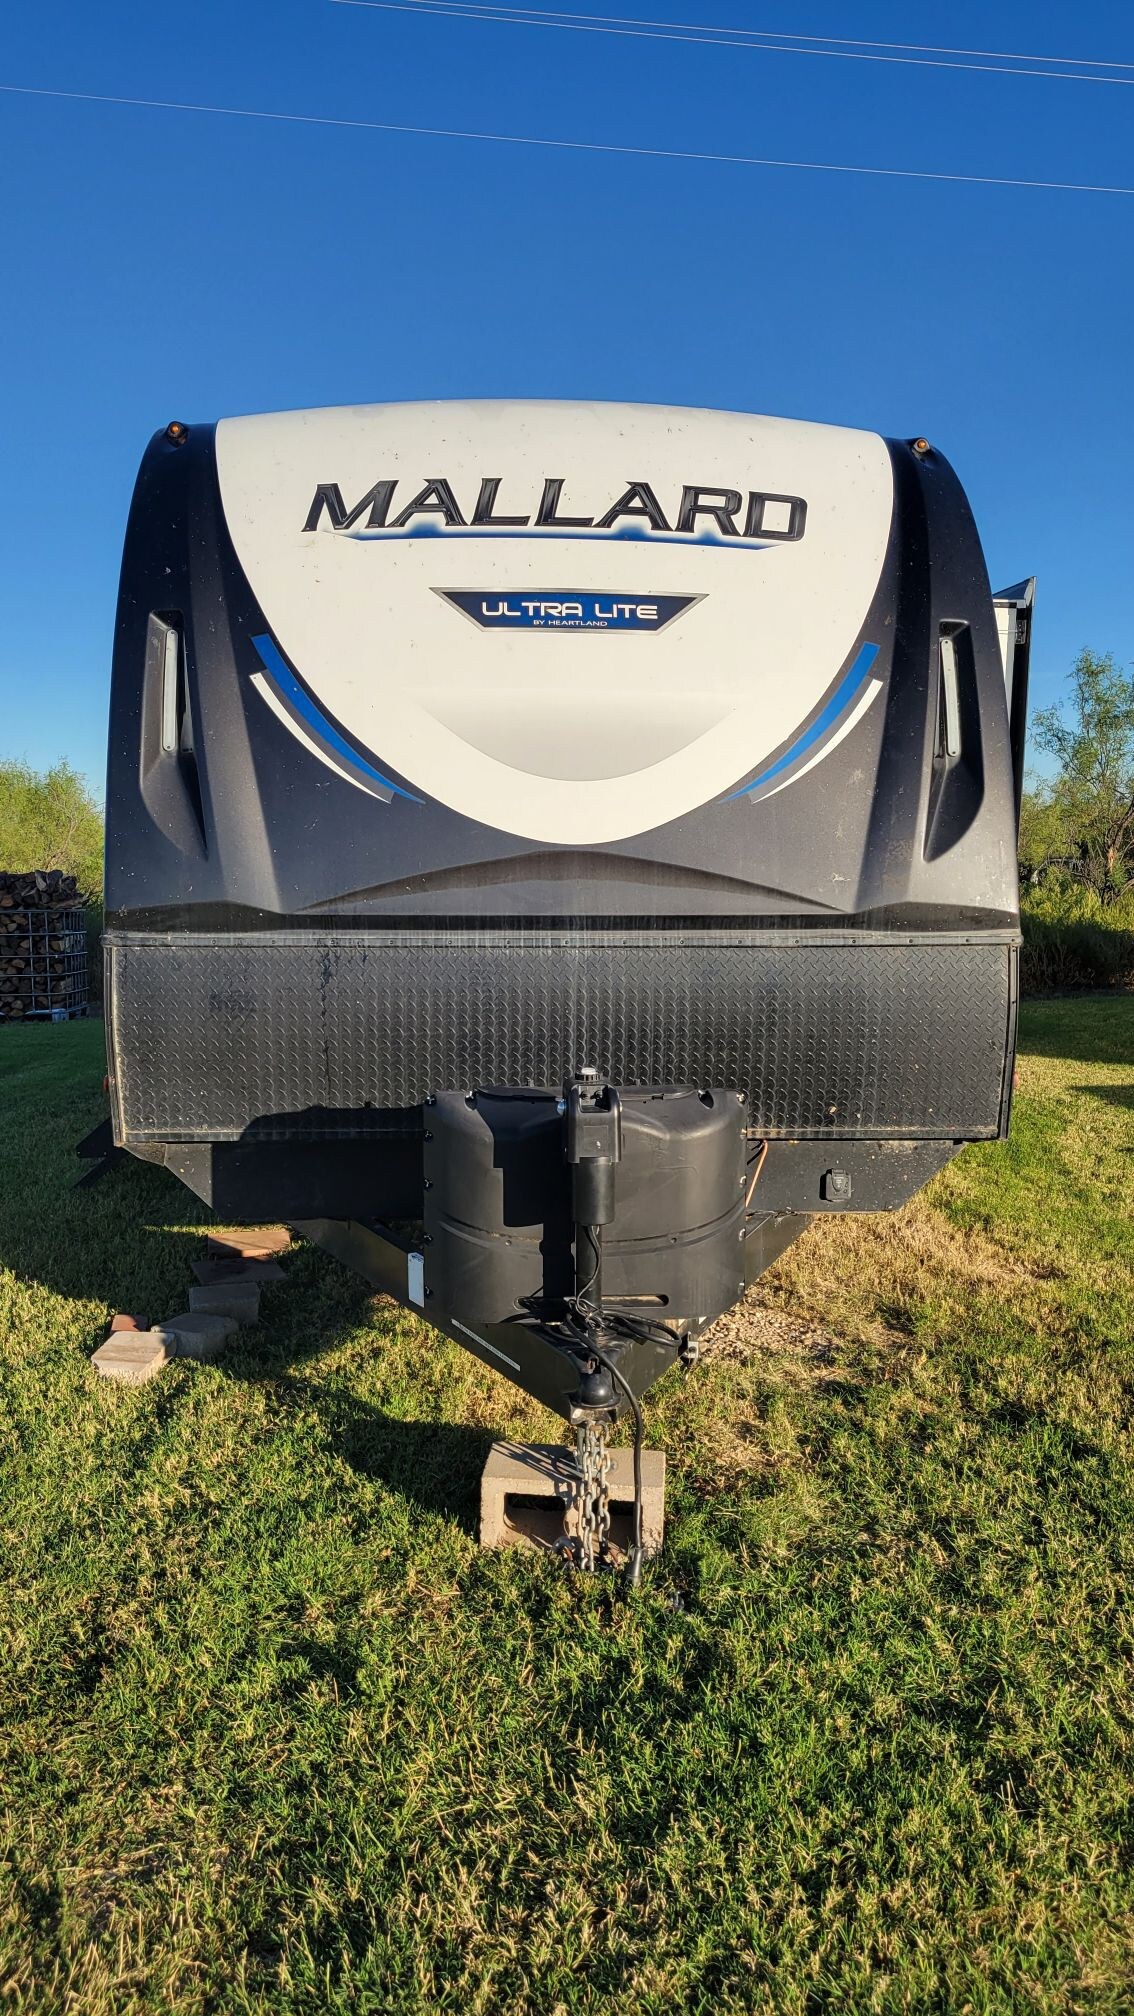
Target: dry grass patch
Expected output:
[784,1345]
[869,1276]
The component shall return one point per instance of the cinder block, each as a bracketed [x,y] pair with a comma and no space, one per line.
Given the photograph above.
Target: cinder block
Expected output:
[239,1299]
[132,1356]
[197,1334]
[526,1497]
[248,1242]
[124,1322]
[234,1269]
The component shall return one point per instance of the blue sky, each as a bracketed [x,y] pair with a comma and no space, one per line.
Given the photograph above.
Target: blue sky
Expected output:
[162,264]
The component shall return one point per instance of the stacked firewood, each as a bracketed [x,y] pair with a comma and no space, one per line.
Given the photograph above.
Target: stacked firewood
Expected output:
[43,964]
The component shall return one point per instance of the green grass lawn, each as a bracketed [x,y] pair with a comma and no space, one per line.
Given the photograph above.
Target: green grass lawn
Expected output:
[275,1736]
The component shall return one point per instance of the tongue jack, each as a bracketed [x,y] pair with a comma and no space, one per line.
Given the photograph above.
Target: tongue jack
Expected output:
[594,1150]
[593,1146]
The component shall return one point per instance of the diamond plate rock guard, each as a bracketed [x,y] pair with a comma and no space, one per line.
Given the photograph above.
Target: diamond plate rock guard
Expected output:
[299,1035]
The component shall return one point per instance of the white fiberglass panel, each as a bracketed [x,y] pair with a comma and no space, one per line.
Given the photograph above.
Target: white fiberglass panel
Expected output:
[567,682]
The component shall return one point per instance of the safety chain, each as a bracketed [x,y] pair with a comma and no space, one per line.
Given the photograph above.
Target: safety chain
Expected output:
[593,1493]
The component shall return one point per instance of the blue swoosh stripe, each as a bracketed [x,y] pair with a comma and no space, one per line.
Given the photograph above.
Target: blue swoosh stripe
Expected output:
[296,695]
[846,691]
[630,535]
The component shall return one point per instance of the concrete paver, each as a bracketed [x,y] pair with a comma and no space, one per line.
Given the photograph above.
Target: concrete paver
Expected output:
[132,1356]
[194,1333]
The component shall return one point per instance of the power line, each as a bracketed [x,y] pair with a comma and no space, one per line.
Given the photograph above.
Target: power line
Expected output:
[847,41]
[568,146]
[727,38]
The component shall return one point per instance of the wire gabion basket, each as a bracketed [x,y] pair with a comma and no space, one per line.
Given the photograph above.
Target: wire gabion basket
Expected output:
[43,963]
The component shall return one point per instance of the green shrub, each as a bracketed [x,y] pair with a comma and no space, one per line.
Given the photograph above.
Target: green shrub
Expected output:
[50,821]
[1072,939]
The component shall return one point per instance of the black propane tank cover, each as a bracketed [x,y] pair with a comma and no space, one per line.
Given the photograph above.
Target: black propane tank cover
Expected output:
[499,1215]
[498,1205]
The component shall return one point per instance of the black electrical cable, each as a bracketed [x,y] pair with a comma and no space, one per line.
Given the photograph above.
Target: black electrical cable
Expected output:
[586,1310]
